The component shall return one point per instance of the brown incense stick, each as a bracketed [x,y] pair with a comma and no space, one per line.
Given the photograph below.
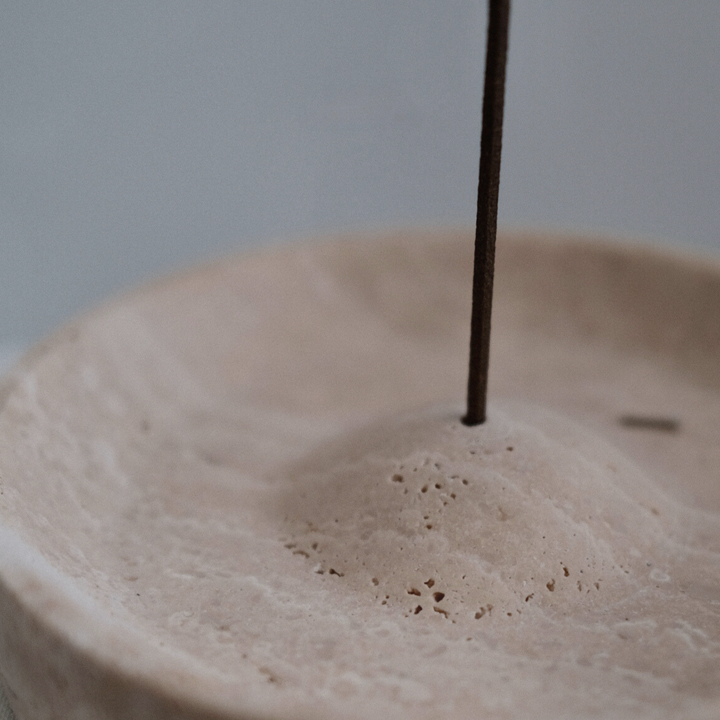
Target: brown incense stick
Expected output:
[487,203]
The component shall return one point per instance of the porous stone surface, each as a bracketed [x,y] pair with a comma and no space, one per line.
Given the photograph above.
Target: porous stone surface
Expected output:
[526,513]
[227,495]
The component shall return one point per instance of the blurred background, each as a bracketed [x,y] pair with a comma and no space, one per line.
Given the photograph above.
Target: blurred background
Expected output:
[140,136]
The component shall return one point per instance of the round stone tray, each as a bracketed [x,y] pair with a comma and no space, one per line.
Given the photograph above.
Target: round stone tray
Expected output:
[146,568]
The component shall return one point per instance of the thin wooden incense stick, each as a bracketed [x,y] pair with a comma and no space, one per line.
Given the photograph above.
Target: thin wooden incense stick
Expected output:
[487,204]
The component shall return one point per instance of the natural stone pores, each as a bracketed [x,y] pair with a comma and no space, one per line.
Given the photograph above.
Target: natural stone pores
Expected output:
[426,515]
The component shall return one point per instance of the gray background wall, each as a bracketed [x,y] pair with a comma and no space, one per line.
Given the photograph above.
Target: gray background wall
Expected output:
[138,136]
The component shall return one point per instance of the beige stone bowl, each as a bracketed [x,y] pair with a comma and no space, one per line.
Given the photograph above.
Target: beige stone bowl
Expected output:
[157,539]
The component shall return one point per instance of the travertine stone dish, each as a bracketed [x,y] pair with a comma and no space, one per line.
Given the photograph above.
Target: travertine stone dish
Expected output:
[245,492]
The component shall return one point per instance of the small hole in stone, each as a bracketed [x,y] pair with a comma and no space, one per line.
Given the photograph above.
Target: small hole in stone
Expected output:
[424,488]
[529,597]
[414,591]
[375,581]
[464,482]
[438,486]
[551,586]
[453,496]
[510,448]
[429,526]
[441,611]
[398,478]
[430,582]
[644,422]
[418,609]
[332,571]
[566,571]
[438,596]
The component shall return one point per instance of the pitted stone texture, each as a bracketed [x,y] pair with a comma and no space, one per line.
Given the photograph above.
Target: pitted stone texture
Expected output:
[527,511]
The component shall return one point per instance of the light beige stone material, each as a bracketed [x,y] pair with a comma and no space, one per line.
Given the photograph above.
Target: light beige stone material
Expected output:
[245,492]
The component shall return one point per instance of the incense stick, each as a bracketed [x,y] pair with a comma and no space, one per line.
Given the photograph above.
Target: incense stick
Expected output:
[487,204]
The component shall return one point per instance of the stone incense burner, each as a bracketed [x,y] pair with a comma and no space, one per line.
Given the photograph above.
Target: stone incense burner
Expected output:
[245,491]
